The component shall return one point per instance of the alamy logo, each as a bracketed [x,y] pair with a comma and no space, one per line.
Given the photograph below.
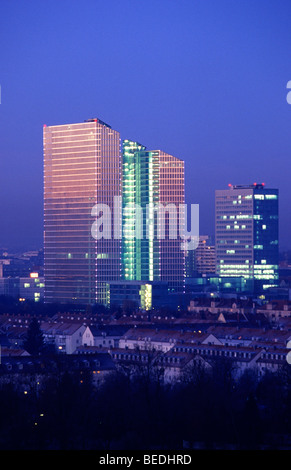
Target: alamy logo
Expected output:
[288,97]
[288,356]
[159,221]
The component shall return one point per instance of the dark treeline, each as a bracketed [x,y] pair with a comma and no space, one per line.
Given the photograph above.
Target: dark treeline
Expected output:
[203,410]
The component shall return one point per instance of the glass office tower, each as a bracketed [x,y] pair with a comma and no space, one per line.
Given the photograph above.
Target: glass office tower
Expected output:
[151,179]
[131,195]
[82,168]
[247,235]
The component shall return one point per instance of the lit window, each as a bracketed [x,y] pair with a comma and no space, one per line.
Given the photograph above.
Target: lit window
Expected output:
[271,196]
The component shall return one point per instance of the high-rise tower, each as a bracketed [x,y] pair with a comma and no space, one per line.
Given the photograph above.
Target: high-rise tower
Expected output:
[151,179]
[246,221]
[82,168]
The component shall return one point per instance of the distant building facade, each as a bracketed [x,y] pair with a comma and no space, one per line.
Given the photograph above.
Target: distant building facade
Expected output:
[143,295]
[202,260]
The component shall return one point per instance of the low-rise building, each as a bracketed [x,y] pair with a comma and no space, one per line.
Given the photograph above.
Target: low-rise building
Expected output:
[272,360]
[238,358]
[29,374]
[12,352]
[135,362]
[276,309]
[245,336]
[108,336]
[67,337]
[175,364]
[216,306]
[160,339]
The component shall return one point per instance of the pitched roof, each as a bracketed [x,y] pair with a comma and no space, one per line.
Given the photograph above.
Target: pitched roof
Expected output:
[13,352]
[161,335]
[253,334]
[52,328]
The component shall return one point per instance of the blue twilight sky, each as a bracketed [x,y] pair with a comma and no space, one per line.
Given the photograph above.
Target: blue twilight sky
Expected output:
[204,80]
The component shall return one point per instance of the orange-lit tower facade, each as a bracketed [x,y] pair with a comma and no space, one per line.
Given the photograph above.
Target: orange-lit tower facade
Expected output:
[82,168]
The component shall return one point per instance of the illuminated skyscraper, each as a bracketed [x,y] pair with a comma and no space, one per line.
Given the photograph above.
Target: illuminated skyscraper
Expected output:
[247,235]
[131,194]
[82,168]
[151,178]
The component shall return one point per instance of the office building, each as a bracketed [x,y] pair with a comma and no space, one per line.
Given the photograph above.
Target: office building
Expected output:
[32,287]
[9,286]
[82,168]
[150,252]
[246,223]
[145,295]
[131,195]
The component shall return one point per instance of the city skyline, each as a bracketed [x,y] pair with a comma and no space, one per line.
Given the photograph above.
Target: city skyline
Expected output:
[145,242]
[40,245]
[218,101]
[94,184]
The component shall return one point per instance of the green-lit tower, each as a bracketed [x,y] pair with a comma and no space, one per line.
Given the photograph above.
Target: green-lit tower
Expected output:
[150,178]
[131,187]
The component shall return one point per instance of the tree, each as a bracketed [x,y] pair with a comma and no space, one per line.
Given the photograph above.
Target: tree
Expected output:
[34,343]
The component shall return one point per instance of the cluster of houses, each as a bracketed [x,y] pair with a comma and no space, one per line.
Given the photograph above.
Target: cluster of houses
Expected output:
[179,353]
[172,350]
